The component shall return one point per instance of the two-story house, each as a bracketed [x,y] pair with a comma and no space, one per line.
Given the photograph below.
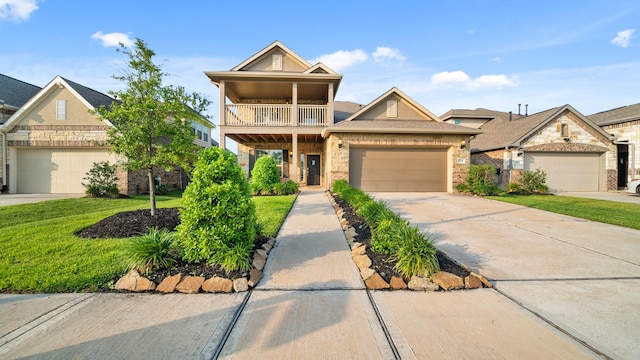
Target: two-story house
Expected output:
[278,104]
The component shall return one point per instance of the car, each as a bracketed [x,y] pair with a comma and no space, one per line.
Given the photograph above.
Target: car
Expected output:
[634,186]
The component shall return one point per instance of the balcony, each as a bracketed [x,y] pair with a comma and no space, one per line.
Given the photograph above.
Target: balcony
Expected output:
[256,115]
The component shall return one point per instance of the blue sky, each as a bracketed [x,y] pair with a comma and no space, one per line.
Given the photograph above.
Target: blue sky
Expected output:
[444,54]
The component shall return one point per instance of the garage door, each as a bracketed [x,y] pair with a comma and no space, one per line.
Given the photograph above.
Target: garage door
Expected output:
[567,171]
[398,169]
[43,171]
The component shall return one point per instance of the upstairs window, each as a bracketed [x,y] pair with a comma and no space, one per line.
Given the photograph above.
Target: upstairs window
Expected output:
[564,130]
[61,109]
[392,108]
[457,121]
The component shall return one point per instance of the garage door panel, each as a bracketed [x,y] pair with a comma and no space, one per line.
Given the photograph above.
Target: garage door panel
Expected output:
[567,171]
[56,171]
[398,169]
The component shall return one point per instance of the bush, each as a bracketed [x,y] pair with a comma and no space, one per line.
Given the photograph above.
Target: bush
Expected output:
[290,187]
[265,176]
[339,186]
[416,255]
[531,182]
[150,251]
[376,211]
[101,180]
[385,237]
[218,218]
[480,180]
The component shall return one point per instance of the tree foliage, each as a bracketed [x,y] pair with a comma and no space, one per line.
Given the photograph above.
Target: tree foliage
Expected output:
[265,176]
[101,180]
[152,121]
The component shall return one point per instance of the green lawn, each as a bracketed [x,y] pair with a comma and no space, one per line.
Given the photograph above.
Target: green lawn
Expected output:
[609,212]
[40,253]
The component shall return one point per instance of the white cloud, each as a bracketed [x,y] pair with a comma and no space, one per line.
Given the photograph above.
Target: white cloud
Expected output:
[624,38]
[342,59]
[112,39]
[492,81]
[17,10]
[496,59]
[386,53]
[471,32]
[453,77]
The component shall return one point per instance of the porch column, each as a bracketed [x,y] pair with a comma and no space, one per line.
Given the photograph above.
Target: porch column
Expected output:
[223,136]
[294,103]
[330,105]
[296,157]
[223,107]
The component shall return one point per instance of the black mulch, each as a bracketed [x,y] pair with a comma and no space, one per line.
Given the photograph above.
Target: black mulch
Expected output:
[381,262]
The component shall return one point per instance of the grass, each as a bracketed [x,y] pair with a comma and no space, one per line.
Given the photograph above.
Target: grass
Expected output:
[39,251]
[609,212]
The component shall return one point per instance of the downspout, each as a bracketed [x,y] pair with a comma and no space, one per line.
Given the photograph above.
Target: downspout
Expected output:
[4,159]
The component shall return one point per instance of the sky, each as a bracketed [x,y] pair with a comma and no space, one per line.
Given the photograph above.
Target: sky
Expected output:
[445,55]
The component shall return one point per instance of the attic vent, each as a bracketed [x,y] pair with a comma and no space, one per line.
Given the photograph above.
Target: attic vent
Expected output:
[277,62]
[392,108]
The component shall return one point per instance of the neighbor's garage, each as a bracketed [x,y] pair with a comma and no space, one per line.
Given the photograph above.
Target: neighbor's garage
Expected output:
[43,171]
[398,169]
[567,171]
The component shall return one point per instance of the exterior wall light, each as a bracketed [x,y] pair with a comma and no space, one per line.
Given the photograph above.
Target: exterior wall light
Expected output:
[340,143]
[463,144]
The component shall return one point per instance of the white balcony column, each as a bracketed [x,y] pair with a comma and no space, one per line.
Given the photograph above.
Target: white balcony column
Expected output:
[296,157]
[223,106]
[330,106]
[294,104]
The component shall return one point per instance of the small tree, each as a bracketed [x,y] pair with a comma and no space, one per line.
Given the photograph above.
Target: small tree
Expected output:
[152,121]
[218,218]
[480,180]
[531,182]
[265,176]
[101,180]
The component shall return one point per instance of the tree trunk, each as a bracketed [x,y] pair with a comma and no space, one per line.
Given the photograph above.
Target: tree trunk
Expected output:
[152,191]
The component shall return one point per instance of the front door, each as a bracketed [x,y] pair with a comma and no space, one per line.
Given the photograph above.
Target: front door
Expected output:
[623,165]
[313,169]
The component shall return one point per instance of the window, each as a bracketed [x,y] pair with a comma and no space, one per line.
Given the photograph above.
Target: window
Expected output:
[205,135]
[277,62]
[564,130]
[61,109]
[392,108]
[457,121]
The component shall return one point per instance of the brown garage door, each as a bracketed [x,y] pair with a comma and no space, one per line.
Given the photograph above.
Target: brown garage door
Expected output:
[398,169]
[567,171]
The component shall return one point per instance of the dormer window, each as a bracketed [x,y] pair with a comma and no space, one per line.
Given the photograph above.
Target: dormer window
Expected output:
[564,130]
[277,62]
[61,109]
[392,108]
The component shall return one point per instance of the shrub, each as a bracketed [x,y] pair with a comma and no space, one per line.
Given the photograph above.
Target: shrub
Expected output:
[339,186]
[290,187]
[385,237]
[375,211]
[531,182]
[218,218]
[101,180]
[416,255]
[150,251]
[480,180]
[265,176]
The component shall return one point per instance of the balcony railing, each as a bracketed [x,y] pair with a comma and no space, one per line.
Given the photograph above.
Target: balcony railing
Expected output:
[276,115]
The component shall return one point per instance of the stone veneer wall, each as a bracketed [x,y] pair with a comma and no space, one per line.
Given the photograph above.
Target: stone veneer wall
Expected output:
[337,159]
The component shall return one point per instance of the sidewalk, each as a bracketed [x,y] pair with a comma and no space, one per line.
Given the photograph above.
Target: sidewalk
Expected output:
[310,304]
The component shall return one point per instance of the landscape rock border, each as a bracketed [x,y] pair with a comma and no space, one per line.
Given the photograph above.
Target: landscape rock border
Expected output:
[134,282]
[441,280]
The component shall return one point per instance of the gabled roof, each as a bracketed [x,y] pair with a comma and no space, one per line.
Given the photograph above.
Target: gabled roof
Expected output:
[479,113]
[92,98]
[398,92]
[15,92]
[616,116]
[319,68]
[501,132]
[273,45]
[431,125]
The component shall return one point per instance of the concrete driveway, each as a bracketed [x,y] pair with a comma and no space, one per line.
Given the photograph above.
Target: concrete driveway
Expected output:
[617,196]
[582,277]
[15,199]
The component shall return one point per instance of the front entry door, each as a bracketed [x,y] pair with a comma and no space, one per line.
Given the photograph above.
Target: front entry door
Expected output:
[313,169]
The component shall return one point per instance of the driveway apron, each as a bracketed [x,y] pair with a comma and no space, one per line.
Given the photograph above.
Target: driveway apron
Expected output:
[580,276]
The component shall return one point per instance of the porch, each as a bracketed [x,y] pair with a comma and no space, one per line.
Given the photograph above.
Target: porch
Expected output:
[263,115]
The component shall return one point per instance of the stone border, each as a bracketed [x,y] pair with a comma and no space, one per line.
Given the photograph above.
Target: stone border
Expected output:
[440,280]
[134,282]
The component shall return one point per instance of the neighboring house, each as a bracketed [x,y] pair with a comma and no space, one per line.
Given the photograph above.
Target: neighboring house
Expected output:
[53,140]
[470,118]
[624,124]
[13,94]
[276,103]
[576,154]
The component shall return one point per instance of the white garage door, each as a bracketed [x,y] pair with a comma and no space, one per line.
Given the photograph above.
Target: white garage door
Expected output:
[398,169]
[43,171]
[567,171]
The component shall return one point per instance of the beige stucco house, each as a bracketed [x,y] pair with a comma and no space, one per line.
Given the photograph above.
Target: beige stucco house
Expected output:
[276,103]
[576,154]
[52,140]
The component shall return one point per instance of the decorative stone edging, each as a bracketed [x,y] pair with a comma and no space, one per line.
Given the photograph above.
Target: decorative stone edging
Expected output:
[135,282]
[440,280]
